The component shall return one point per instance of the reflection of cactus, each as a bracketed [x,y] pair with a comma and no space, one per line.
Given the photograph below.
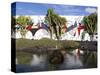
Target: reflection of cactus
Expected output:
[90,59]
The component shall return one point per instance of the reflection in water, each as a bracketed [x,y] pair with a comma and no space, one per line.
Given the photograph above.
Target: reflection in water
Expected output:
[16,61]
[90,59]
[38,60]
[72,60]
[56,57]
[77,52]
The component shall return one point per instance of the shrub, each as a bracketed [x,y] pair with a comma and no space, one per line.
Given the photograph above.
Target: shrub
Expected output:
[69,44]
[47,43]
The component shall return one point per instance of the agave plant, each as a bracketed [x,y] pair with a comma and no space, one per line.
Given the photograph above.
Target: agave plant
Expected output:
[49,21]
[90,23]
[55,23]
[23,21]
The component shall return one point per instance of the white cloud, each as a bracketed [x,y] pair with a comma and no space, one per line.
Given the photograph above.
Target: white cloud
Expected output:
[91,10]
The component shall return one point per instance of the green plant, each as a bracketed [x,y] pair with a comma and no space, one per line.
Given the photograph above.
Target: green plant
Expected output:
[90,23]
[54,22]
[49,43]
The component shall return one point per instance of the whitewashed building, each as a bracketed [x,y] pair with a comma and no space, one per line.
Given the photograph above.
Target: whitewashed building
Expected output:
[41,33]
[70,35]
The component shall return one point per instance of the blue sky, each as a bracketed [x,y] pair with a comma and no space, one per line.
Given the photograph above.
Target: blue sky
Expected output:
[24,8]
